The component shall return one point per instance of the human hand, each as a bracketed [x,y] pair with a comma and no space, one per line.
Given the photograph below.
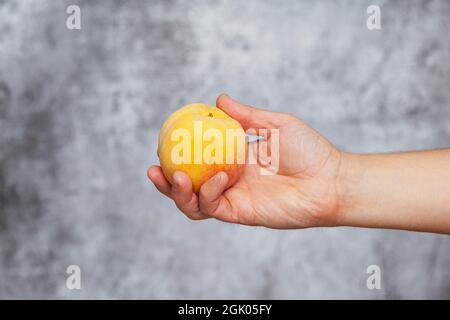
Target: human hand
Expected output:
[304,192]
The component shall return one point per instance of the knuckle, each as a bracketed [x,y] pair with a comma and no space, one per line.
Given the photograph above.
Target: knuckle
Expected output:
[204,194]
[179,198]
[205,208]
[180,202]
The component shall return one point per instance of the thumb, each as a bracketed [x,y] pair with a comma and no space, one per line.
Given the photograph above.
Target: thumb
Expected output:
[250,117]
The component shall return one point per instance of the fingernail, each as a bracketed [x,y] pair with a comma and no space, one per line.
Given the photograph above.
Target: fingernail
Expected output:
[176,182]
[218,178]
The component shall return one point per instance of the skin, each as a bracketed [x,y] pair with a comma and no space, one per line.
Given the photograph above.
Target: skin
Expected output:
[318,185]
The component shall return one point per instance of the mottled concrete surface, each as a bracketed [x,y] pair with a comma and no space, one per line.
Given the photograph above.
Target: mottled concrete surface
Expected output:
[80,113]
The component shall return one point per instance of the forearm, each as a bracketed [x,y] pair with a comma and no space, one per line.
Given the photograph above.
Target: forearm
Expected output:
[409,191]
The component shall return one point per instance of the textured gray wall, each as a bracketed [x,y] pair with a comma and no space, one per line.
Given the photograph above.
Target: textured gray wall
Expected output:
[79,118]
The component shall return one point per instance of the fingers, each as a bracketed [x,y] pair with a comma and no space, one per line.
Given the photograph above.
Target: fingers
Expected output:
[211,191]
[211,199]
[180,191]
[209,203]
[185,199]
[156,175]
[250,117]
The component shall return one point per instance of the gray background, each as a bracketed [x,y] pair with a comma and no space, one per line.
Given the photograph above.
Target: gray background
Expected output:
[80,113]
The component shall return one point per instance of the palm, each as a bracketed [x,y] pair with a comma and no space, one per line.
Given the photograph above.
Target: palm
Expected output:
[308,168]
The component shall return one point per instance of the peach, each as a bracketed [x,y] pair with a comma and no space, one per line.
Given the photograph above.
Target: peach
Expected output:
[201,140]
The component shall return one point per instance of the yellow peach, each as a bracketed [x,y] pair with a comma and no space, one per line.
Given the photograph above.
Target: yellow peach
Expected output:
[201,140]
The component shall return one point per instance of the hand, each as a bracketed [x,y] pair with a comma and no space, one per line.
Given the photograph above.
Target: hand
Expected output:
[303,193]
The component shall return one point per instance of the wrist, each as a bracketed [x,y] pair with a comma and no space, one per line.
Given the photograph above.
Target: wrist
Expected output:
[335,204]
[349,186]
